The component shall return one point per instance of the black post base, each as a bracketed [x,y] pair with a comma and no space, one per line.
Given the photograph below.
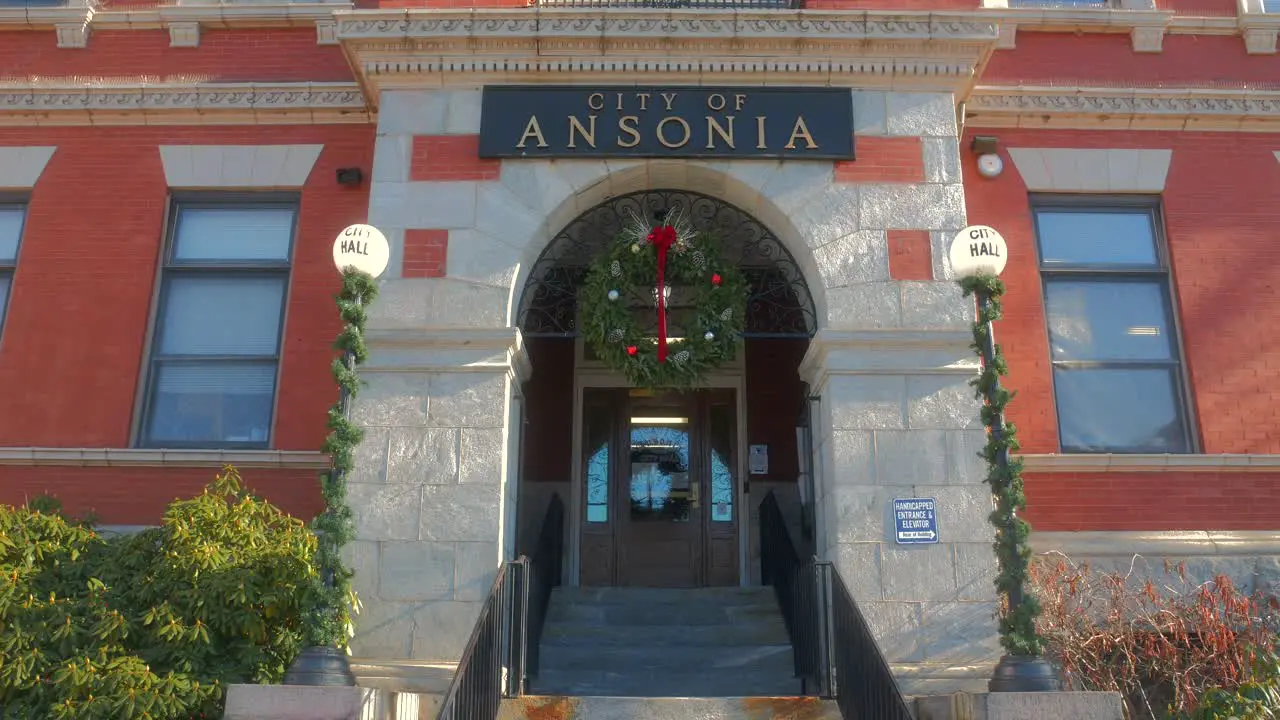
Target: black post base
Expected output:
[1024,673]
[320,666]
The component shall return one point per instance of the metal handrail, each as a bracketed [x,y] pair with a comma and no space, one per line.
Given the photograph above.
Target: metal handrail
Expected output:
[502,652]
[493,656]
[864,686]
[795,583]
[544,575]
[836,654]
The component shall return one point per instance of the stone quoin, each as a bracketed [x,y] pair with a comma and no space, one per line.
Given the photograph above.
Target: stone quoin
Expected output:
[481,160]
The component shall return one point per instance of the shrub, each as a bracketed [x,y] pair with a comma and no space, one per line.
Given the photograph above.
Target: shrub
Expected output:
[1167,650]
[152,625]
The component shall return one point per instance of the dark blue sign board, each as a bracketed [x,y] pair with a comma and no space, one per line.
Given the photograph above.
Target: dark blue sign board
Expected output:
[915,521]
[583,121]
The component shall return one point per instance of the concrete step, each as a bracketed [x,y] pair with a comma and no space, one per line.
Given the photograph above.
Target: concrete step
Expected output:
[662,658]
[616,614]
[706,683]
[627,708]
[722,597]
[765,632]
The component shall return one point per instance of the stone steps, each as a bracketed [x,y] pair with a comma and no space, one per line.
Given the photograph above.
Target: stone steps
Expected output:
[693,708]
[642,642]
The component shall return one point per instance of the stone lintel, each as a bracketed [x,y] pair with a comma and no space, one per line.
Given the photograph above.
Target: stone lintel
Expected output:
[448,350]
[888,352]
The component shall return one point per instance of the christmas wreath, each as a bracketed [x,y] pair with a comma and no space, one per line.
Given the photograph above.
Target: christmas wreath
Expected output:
[638,275]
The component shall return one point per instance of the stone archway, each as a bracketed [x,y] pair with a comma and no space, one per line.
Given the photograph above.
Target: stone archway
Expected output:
[781,319]
[780,303]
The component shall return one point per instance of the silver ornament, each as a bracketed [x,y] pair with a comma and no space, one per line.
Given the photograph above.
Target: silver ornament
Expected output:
[615,335]
[728,313]
[615,269]
[709,336]
[681,357]
[613,294]
[699,260]
[635,248]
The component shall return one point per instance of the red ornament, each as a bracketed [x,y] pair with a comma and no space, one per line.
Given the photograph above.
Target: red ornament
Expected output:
[715,279]
[631,350]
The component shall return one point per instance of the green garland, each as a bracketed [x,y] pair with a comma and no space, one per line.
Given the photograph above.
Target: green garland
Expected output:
[627,275]
[1018,632]
[334,600]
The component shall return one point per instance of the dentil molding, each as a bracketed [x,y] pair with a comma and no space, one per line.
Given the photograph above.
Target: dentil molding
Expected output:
[393,49]
[1124,108]
[26,103]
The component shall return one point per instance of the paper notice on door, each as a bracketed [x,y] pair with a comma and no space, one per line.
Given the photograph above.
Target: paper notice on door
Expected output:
[758,460]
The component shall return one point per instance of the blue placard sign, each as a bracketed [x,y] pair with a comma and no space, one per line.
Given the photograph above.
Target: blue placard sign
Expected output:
[915,520]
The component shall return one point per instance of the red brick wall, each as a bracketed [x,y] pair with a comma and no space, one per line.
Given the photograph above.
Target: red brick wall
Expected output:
[450,157]
[910,255]
[883,159]
[1109,60]
[138,495]
[82,293]
[1221,237]
[266,55]
[1153,501]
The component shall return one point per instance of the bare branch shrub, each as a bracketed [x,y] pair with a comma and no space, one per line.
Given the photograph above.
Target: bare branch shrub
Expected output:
[1161,646]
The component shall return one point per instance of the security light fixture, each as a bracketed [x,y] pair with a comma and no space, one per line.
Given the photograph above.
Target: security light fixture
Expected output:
[350,176]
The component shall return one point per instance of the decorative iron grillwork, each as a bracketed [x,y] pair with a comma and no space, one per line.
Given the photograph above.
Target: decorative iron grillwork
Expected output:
[779,304]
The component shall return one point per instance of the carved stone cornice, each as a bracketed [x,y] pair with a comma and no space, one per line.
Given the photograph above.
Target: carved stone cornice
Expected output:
[1124,108]
[52,103]
[412,48]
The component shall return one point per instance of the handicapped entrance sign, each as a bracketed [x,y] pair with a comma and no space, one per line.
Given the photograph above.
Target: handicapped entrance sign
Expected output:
[915,520]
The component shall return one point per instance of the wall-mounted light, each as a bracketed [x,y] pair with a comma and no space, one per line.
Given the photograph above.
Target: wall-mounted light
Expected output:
[350,176]
[987,149]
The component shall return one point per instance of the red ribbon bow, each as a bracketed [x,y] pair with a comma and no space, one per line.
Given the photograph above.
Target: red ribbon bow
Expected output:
[663,238]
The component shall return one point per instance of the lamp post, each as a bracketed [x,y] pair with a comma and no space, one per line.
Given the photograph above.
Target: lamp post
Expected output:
[360,253]
[978,255]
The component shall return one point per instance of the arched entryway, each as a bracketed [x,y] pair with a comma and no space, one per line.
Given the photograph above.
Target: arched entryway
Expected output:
[660,487]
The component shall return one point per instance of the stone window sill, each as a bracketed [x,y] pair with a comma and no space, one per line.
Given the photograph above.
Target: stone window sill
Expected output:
[1157,543]
[1054,463]
[130,457]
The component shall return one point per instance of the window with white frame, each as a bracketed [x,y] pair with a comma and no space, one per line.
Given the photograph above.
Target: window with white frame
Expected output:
[1117,370]
[215,350]
[12,218]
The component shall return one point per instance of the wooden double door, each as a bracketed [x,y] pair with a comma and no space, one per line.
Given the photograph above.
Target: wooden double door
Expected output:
[660,488]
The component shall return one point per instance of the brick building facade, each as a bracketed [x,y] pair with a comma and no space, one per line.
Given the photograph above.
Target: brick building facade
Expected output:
[169,194]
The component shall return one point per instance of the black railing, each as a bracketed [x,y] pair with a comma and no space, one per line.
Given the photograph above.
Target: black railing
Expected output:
[493,656]
[544,575]
[795,582]
[503,650]
[864,684]
[676,4]
[836,654]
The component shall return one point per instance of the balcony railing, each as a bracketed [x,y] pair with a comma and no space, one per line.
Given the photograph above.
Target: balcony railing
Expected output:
[675,4]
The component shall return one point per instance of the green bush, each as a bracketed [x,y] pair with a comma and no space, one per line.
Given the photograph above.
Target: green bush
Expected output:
[153,625]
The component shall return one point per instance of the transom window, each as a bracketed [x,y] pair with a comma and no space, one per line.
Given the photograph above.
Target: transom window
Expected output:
[1117,371]
[12,218]
[216,345]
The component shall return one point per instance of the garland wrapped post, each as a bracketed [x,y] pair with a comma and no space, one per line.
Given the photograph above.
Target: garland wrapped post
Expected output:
[329,624]
[1023,668]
